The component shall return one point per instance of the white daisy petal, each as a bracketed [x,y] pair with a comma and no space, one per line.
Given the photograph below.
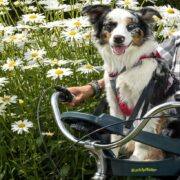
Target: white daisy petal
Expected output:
[11,64]
[71,34]
[3,81]
[34,56]
[33,18]
[88,68]
[21,126]
[4,2]
[59,73]
[127,3]
[7,100]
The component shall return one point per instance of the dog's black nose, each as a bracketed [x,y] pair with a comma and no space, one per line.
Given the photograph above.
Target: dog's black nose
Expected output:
[119,39]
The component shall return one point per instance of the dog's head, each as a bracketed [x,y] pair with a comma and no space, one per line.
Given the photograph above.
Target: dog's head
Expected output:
[120,28]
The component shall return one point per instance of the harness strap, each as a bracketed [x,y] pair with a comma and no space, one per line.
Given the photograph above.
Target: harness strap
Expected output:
[113,77]
[144,98]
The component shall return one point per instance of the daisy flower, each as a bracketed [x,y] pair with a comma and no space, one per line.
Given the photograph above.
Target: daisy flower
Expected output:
[21,126]
[34,55]
[23,3]
[59,73]
[19,39]
[55,61]
[87,36]
[169,12]
[99,2]
[30,66]
[33,18]
[54,24]
[3,81]
[127,3]
[32,9]
[7,100]
[168,31]
[47,133]
[55,5]
[21,101]
[88,68]
[28,1]
[17,3]
[9,30]
[51,5]
[4,2]
[77,61]
[71,34]
[62,7]
[11,64]
[77,22]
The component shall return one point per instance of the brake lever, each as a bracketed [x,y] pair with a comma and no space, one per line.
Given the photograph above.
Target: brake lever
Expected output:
[65,95]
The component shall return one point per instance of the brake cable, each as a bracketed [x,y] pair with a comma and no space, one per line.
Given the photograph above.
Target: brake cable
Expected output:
[43,92]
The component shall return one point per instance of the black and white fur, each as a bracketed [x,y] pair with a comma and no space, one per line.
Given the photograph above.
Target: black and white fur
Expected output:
[122,37]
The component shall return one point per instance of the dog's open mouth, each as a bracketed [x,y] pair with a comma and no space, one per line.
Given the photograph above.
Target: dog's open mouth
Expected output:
[118,50]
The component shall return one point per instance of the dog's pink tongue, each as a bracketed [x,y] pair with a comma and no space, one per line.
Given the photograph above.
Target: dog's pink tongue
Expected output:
[118,50]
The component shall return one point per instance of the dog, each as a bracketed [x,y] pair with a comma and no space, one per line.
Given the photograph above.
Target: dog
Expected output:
[124,40]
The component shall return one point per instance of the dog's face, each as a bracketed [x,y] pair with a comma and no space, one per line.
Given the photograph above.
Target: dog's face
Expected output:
[120,28]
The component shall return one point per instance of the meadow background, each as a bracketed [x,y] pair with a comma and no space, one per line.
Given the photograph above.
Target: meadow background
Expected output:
[44,44]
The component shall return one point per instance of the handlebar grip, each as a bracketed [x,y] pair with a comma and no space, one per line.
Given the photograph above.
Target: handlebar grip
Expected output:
[64,94]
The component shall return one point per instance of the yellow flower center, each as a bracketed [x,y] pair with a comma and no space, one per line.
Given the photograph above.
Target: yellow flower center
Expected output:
[12,63]
[21,125]
[6,98]
[34,54]
[59,71]
[87,36]
[54,61]
[13,37]
[49,133]
[127,2]
[33,17]
[77,24]
[21,101]
[72,33]
[88,66]
[1,2]
[170,10]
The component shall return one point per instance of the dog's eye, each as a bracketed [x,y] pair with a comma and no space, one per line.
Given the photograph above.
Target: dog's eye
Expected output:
[130,27]
[110,26]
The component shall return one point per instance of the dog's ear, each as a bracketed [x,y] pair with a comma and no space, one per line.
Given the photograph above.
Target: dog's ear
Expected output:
[147,14]
[95,12]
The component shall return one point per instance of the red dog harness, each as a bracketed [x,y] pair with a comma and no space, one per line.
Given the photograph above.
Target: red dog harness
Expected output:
[125,109]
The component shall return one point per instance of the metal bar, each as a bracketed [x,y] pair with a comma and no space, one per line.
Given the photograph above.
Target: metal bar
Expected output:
[139,128]
[130,136]
[57,115]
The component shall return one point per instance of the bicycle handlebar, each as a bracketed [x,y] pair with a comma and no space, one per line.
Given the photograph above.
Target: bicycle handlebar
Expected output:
[94,144]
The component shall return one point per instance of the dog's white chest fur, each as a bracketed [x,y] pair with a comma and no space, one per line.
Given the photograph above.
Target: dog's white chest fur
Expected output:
[131,82]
